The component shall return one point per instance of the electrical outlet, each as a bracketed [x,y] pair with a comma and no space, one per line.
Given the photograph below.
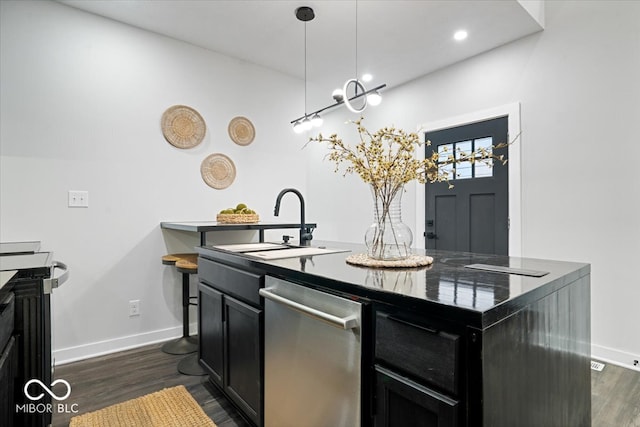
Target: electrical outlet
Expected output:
[78,199]
[636,363]
[134,308]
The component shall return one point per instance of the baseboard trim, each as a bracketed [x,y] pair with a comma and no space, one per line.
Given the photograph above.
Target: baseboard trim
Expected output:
[101,348]
[614,357]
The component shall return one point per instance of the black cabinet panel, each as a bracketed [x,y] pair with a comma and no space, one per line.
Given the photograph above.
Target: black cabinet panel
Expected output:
[211,332]
[425,353]
[243,375]
[402,402]
[231,334]
[8,372]
[7,322]
[32,330]
[537,362]
[230,280]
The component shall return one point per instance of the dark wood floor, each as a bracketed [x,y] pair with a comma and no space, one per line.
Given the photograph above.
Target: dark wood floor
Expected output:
[615,397]
[102,381]
[107,380]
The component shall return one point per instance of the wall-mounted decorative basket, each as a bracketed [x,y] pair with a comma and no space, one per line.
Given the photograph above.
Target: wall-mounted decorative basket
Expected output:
[218,171]
[182,126]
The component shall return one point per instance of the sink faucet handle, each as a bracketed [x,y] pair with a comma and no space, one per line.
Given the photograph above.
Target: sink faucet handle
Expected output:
[285,238]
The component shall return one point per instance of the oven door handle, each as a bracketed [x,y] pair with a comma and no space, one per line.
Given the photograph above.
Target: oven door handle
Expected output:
[53,282]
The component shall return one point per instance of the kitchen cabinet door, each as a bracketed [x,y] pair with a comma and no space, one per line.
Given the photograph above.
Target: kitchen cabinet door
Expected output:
[8,371]
[211,332]
[243,379]
[401,402]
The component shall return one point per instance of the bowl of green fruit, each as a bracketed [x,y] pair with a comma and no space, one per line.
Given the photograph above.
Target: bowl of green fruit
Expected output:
[241,214]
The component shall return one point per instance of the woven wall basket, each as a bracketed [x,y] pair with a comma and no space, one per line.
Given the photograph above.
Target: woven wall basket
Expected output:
[218,171]
[241,130]
[182,126]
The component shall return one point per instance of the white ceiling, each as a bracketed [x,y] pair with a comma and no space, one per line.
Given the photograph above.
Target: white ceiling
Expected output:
[397,40]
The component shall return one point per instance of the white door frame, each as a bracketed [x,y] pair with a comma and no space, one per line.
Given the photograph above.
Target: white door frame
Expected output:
[512,111]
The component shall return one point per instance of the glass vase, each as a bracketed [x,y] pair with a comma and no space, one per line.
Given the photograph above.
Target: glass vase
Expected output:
[388,238]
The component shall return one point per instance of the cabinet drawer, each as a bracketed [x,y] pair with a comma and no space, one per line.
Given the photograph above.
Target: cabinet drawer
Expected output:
[424,353]
[7,310]
[402,402]
[230,280]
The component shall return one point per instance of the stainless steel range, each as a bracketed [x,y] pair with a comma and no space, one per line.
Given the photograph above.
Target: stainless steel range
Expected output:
[32,286]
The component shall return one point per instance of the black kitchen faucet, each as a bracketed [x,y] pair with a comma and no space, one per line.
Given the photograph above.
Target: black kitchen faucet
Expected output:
[305,232]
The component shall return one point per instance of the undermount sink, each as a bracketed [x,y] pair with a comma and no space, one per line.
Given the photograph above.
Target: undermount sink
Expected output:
[251,247]
[271,251]
[294,251]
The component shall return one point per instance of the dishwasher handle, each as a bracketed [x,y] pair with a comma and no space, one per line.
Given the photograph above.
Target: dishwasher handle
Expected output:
[346,323]
[53,282]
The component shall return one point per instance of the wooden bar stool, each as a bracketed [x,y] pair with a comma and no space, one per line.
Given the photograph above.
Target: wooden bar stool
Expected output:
[187,264]
[188,365]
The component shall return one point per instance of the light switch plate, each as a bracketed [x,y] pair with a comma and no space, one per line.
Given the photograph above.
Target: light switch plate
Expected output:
[78,199]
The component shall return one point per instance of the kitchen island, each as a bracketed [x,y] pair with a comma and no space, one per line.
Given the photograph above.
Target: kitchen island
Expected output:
[442,345]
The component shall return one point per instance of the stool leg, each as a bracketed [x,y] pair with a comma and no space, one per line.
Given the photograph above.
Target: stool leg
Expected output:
[186,344]
[185,305]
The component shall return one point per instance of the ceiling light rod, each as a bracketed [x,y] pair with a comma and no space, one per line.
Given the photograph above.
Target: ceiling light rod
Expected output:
[341,101]
[306,14]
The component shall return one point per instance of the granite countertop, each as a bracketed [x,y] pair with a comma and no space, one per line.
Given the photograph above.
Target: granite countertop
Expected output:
[480,297]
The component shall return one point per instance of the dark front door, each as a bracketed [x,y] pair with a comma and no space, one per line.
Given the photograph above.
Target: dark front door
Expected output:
[473,216]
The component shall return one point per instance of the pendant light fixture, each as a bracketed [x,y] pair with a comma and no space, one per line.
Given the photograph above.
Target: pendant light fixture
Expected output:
[372,97]
[305,14]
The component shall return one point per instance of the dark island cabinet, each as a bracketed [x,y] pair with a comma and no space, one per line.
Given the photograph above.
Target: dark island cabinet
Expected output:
[242,352]
[443,346]
[403,402]
[230,327]
[211,332]
[417,371]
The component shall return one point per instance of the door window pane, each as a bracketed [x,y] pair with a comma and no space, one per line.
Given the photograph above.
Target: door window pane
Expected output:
[484,168]
[445,153]
[464,170]
[461,150]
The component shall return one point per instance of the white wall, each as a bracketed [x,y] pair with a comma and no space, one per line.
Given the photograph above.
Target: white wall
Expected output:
[81,102]
[577,83]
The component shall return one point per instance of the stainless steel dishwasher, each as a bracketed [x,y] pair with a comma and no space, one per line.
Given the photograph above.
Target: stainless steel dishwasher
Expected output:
[312,357]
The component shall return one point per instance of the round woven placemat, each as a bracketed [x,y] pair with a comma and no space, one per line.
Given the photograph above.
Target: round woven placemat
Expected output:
[241,130]
[412,261]
[218,171]
[182,126]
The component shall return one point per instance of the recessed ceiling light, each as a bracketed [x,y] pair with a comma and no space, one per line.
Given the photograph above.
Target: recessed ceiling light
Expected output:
[367,77]
[460,35]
